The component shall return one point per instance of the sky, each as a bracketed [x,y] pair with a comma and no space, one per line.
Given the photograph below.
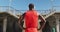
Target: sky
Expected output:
[23,4]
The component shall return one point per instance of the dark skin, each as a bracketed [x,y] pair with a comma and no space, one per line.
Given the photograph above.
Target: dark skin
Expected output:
[39,16]
[19,22]
[43,22]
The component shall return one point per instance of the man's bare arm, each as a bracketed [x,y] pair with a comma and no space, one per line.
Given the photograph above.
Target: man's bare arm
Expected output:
[20,20]
[43,21]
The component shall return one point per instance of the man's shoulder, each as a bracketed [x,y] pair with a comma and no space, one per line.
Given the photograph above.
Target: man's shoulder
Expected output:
[23,14]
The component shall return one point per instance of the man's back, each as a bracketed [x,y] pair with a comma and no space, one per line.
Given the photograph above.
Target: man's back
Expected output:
[31,19]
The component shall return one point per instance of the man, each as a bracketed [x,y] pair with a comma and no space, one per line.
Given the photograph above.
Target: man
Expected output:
[31,20]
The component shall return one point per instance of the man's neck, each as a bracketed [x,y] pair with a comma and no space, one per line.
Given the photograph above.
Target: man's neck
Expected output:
[31,9]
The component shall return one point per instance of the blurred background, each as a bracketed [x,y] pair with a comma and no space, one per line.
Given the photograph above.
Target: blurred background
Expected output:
[10,11]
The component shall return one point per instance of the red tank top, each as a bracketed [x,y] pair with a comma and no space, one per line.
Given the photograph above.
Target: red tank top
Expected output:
[31,19]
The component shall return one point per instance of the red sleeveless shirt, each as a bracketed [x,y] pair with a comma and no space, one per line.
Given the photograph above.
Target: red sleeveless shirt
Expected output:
[31,19]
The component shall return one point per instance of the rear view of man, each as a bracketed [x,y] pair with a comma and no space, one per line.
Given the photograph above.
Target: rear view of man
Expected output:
[31,20]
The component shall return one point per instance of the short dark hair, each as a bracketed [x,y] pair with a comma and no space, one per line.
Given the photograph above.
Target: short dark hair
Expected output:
[31,5]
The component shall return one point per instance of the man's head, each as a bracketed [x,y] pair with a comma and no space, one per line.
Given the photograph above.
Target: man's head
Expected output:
[31,6]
